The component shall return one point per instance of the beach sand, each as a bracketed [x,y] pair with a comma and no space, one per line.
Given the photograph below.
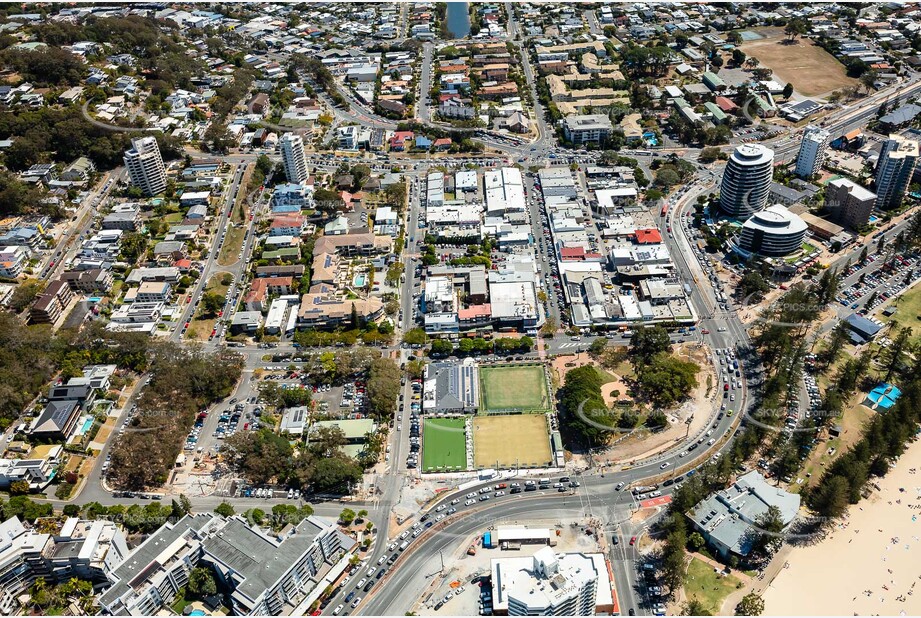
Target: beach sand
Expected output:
[870,564]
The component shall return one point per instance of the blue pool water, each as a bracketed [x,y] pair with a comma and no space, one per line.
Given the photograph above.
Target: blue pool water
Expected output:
[94,299]
[360,281]
[651,139]
[197,612]
[873,219]
[87,425]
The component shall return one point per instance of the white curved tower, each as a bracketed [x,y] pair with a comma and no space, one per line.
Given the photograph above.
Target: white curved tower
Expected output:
[747,181]
[773,232]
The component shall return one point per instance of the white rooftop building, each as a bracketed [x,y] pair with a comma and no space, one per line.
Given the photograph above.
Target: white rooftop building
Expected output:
[549,584]
[504,191]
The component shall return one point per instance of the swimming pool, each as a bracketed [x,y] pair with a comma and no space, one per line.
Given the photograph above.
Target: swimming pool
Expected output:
[197,612]
[360,280]
[86,425]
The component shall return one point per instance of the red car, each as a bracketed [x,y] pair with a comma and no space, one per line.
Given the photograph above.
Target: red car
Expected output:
[632,540]
[726,387]
[705,331]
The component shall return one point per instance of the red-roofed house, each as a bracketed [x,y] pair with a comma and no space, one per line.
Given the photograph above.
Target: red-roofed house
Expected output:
[287,225]
[262,287]
[400,138]
[183,265]
[572,254]
[725,104]
[475,315]
[442,143]
[648,236]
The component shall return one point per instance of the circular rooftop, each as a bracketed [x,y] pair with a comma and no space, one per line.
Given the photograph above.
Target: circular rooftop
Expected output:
[752,154]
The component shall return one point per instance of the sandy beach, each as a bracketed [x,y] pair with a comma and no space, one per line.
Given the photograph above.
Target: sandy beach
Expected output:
[870,564]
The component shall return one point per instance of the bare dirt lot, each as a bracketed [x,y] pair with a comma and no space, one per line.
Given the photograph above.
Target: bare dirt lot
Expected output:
[811,69]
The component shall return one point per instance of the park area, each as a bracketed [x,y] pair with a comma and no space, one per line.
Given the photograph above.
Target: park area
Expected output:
[513,388]
[705,585]
[907,311]
[511,441]
[444,445]
[811,69]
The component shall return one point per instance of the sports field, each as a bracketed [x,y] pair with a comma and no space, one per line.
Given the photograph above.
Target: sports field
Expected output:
[506,388]
[517,440]
[811,69]
[444,445]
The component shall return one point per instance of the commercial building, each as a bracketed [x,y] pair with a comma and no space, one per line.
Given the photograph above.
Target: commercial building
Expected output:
[504,191]
[848,203]
[451,387]
[862,329]
[726,518]
[263,574]
[894,170]
[773,232]
[145,166]
[292,155]
[587,128]
[549,584]
[746,180]
[811,152]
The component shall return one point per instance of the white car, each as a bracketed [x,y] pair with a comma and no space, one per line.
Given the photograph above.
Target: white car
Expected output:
[469,502]
[665,465]
[338,609]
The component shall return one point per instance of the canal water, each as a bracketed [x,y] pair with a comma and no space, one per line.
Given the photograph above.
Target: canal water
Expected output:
[458,19]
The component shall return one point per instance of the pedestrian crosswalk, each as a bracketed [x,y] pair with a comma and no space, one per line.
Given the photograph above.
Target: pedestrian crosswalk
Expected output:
[570,344]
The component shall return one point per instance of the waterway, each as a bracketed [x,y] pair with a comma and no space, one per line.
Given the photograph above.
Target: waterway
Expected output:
[458,17]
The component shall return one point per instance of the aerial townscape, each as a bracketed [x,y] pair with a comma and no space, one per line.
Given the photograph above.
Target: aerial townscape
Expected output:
[460,309]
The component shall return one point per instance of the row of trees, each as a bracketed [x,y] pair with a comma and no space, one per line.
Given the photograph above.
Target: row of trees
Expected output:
[478,345]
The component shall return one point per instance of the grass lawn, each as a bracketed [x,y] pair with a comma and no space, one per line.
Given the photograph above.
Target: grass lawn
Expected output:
[708,587]
[233,242]
[444,444]
[517,440]
[908,310]
[201,328]
[173,218]
[810,69]
[514,387]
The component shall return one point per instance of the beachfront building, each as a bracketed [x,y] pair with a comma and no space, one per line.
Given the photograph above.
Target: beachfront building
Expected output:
[727,518]
[848,203]
[894,170]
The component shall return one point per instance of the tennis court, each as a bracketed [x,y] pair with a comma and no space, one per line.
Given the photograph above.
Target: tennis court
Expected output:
[444,444]
[514,388]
